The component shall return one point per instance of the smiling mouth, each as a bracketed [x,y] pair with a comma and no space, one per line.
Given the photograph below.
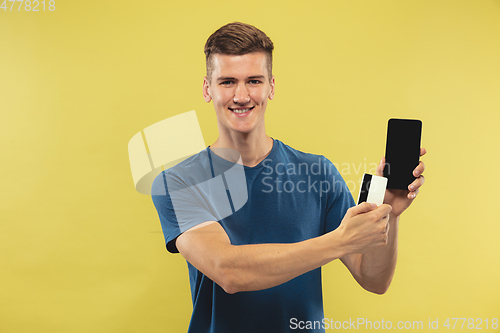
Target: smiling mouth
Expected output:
[241,110]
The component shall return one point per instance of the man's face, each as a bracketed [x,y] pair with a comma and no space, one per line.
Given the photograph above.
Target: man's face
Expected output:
[239,89]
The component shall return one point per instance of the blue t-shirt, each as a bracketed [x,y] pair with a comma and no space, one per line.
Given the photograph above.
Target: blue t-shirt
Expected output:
[292,196]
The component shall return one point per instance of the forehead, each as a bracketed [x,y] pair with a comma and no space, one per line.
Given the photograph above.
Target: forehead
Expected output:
[250,64]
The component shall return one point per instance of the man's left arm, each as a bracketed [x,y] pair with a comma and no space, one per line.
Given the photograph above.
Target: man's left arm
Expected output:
[374,270]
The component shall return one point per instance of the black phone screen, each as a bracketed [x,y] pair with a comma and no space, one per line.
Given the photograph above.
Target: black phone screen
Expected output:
[402,152]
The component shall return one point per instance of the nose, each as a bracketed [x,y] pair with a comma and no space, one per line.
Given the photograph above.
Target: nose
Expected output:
[241,95]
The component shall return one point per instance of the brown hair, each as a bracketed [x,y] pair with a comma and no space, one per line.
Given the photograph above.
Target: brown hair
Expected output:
[237,39]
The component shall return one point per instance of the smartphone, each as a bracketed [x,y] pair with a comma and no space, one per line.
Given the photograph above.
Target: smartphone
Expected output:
[402,152]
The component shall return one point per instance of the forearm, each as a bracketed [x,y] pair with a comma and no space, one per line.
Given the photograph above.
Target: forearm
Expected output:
[376,268]
[262,266]
[254,267]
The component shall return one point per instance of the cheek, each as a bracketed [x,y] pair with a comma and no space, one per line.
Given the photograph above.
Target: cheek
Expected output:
[260,96]
[222,97]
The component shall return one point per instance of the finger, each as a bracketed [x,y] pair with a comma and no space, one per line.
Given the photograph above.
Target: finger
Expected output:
[380,167]
[384,210]
[417,183]
[419,169]
[423,151]
[386,230]
[412,195]
[364,207]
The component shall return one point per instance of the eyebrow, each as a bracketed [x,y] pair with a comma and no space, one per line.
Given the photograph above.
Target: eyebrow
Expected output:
[224,78]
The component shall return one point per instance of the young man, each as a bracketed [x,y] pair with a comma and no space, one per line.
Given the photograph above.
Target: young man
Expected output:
[258,268]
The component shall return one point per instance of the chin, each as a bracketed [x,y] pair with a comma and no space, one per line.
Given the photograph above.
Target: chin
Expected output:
[242,128]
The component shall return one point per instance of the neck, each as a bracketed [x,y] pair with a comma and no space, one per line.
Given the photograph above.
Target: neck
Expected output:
[253,148]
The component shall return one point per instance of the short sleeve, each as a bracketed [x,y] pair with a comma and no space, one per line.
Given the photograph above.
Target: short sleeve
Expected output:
[196,191]
[339,198]
[186,215]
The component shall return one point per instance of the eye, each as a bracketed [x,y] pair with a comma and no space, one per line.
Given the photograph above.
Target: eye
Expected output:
[226,83]
[254,81]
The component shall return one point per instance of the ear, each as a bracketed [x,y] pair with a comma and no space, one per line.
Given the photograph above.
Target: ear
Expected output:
[206,90]
[271,95]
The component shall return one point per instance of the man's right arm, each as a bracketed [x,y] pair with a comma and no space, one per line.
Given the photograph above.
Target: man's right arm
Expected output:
[260,266]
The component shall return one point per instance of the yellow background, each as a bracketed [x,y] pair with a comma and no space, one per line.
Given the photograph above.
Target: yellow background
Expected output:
[82,251]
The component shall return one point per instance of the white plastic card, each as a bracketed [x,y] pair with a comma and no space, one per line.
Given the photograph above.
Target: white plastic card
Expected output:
[372,189]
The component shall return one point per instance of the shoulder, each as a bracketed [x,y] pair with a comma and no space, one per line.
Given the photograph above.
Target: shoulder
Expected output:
[191,170]
[292,155]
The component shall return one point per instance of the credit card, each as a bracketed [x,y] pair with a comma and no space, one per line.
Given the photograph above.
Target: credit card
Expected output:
[372,189]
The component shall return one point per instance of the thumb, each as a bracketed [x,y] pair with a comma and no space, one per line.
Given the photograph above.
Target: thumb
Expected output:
[362,208]
[380,167]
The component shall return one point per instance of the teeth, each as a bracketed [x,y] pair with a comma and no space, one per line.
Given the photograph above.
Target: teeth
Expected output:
[240,111]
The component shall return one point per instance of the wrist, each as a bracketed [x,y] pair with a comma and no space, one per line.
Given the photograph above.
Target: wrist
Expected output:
[393,218]
[337,243]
